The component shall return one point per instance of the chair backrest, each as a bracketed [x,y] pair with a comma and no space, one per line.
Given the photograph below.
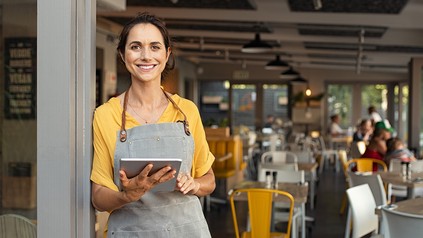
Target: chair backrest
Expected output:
[279,157]
[279,168]
[287,176]
[416,166]
[13,225]
[395,165]
[363,206]
[399,224]
[304,156]
[375,183]
[260,209]
[366,164]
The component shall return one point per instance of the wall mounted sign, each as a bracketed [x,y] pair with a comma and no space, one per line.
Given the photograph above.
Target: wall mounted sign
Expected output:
[20,78]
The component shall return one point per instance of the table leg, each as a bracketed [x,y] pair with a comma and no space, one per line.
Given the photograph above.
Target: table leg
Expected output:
[312,189]
[303,221]
[410,193]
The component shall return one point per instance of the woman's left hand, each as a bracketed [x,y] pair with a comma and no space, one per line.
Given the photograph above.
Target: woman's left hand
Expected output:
[186,184]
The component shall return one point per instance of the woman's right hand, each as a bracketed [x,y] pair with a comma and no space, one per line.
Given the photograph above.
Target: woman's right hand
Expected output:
[137,186]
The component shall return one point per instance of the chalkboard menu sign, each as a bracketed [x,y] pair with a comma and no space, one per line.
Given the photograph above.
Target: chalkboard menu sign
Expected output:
[20,78]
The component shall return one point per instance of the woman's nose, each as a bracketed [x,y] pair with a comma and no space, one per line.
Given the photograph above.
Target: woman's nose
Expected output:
[145,54]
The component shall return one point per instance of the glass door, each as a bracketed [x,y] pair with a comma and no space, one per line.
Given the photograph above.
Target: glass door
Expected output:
[18,132]
[243,106]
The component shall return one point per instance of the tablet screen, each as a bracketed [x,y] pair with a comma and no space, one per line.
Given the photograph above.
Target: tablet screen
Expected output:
[133,166]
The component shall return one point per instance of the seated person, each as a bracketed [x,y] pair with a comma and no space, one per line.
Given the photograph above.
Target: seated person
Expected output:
[397,150]
[376,149]
[364,131]
[270,119]
[384,124]
[334,128]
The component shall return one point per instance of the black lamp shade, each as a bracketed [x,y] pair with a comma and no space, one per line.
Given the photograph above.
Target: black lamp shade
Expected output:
[256,46]
[298,80]
[277,64]
[289,74]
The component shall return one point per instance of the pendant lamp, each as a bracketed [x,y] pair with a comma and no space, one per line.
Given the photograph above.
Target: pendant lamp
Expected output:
[289,74]
[256,46]
[277,64]
[298,80]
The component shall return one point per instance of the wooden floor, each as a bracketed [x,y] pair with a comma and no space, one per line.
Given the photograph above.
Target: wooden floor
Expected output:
[328,222]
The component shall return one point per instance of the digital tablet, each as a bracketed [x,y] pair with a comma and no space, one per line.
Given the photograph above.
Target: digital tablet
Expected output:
[133,166]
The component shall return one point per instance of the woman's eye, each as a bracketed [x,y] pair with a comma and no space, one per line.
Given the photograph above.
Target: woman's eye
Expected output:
[155,47]
[135,47]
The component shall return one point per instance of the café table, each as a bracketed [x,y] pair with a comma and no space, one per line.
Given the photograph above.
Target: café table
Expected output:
[310,172]
[396,178]
[298,191]
[340,142]
[412,206]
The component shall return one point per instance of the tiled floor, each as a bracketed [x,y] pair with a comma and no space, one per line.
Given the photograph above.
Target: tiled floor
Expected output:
[328,222]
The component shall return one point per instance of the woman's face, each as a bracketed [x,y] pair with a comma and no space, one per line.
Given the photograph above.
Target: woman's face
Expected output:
[145,53]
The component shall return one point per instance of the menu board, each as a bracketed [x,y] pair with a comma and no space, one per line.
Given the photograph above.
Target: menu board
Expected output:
[20,78]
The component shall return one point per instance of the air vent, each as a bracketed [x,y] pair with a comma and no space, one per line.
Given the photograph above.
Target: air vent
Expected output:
[111,5]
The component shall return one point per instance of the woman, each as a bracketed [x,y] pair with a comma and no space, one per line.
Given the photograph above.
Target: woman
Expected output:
[376,149]
[146,121]
[334,127]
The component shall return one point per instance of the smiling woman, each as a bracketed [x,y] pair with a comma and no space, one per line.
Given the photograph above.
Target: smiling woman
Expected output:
[148,122]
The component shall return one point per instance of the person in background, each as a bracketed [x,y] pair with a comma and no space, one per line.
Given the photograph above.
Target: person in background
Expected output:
[334,128]
[376,149]
[384,124]
[364,131]
[374,116]
[270,120]
[396,150]
[146,121]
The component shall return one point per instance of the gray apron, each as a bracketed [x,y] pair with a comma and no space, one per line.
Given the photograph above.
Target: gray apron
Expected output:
[158,214]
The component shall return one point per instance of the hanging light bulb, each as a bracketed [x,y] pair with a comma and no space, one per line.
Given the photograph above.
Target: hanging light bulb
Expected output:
[308,91]
[226,84]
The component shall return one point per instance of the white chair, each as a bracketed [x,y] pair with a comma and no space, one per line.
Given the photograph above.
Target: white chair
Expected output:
[362,205]
[285,176]
[396,190]
[263,167]
[278,157]
[376,186]
[13,225]
[304,156]
[249,150]
[327,154]
[403,225]
[375,183]
[416,166]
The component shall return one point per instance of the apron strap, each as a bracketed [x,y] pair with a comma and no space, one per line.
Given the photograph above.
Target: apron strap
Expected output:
[122,133]
[185,121]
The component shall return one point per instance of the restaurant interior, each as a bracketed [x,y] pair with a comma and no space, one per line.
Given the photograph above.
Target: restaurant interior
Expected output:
[268,77]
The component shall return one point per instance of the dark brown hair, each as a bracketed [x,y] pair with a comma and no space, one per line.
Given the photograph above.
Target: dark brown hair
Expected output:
[146,18]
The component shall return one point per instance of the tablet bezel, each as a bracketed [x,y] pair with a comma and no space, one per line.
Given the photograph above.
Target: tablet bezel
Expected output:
[133,166]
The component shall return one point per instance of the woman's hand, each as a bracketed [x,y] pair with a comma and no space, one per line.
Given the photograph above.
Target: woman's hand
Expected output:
[137,186]
[186,184]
